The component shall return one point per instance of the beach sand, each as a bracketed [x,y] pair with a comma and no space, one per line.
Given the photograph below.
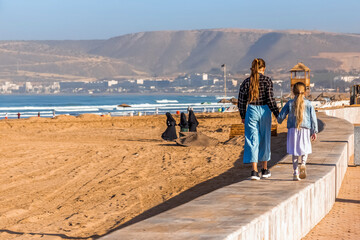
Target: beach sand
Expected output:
[82,177]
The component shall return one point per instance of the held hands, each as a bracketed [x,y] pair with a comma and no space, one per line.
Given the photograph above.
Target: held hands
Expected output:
[313,137]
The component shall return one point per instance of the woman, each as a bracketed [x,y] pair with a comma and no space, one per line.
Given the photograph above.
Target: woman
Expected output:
[256,92]
[193,122]
[184,125]
[170,132]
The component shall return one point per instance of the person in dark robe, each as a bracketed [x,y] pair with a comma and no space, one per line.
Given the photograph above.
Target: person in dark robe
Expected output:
[184,125]
[170,132]
[193,123]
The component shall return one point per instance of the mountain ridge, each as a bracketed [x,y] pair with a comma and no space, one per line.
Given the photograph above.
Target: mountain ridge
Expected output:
[178,52]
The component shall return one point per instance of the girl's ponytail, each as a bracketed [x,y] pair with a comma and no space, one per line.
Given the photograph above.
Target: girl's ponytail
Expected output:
[299,106]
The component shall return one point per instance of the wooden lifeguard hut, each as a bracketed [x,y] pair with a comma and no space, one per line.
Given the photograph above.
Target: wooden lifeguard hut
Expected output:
[300,73]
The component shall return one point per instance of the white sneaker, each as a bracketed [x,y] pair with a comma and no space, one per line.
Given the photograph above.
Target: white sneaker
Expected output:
[296,177]
[254,175]
[302,171]
[265,173]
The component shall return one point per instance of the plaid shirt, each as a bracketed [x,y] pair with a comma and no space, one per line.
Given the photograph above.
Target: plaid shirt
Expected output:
[266,95]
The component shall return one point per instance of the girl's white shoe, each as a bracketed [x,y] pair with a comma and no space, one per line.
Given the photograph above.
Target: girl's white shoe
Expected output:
[296,177]
[302,171]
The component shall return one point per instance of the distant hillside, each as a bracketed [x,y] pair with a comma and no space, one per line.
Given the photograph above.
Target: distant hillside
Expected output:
[190,51]
[58,60]
[173,52]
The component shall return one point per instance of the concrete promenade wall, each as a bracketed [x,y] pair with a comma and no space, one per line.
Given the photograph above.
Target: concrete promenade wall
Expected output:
[357,144]
[276,208]
[349,113]
[352,115]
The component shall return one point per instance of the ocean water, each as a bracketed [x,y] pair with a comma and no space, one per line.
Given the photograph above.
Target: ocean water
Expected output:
[48,105]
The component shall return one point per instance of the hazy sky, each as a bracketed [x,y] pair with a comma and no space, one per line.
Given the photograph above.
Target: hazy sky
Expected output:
[102,19]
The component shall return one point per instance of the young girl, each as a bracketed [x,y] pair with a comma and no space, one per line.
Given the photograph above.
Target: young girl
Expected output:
[302,128]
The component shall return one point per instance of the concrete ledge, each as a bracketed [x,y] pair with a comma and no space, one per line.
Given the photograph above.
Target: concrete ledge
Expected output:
[349,113]
[357,144]
[276,208]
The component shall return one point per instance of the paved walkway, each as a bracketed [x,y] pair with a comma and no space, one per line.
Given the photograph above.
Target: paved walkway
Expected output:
[343,221]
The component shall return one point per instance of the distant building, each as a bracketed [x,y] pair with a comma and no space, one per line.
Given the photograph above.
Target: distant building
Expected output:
[278,81]
[346,78]
[234,82]
[205,77]
[8,87]
[112,83]
[28,87]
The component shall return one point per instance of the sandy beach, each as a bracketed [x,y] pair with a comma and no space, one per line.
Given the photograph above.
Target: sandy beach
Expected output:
[82,177]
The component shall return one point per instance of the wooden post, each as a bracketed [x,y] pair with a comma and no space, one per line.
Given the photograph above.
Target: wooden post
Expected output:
[225,79]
